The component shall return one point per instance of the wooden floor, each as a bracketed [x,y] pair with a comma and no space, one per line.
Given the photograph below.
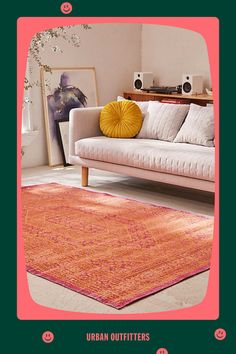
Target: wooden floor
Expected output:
[185,294]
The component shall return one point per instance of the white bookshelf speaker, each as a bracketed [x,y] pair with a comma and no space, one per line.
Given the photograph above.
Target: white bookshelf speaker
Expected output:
[192,84]
[142,80]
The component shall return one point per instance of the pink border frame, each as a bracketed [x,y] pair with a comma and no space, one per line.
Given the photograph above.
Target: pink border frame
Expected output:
[27,309]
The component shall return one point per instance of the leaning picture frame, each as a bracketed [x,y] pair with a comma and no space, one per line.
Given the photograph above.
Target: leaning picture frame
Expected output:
[62,90]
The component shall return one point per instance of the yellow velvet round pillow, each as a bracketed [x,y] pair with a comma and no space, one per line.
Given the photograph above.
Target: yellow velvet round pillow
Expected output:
[122,119]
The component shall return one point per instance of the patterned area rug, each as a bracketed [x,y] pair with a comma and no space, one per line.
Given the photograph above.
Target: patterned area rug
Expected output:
[112,249]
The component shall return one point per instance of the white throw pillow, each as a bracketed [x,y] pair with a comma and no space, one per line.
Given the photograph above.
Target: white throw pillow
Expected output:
[143,105]
[198,127]
[163,121]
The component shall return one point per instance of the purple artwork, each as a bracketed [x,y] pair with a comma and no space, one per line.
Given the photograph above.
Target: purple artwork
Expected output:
[64,98]
[65,89]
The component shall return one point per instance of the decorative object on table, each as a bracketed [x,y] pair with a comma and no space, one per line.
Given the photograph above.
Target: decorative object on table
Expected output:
[192,84]
[175,101]
[179,89]
[64,89]
[62,127]
[209,92]
[121,119]
[161,89]
[142,80]
[112,249]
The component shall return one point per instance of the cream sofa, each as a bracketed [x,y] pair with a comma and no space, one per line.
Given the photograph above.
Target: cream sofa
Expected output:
[181,164]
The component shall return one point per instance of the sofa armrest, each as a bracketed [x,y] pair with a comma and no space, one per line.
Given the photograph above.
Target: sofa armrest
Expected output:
[83,123]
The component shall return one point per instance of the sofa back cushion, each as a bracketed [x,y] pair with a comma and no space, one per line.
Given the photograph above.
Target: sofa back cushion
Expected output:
[198,127]
[143,105]
[163,121]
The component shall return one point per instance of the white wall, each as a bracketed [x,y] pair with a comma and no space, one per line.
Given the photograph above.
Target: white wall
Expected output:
[169,52]
[113,49]
[116,51]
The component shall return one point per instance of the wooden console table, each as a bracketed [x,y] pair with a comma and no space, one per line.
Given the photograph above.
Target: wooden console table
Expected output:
[201,100]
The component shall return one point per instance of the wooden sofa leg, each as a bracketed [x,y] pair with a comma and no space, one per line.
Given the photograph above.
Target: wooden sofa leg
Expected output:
[84,176]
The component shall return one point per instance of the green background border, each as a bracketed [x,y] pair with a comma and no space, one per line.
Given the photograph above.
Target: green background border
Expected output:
[177,336]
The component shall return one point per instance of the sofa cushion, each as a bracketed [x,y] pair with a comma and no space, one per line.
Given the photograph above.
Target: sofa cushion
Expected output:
[163,121]
[121,119]
[198,127]
[180,159]
[143,105]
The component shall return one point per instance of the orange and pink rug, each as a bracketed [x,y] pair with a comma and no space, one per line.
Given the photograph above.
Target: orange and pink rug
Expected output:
[112,249]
